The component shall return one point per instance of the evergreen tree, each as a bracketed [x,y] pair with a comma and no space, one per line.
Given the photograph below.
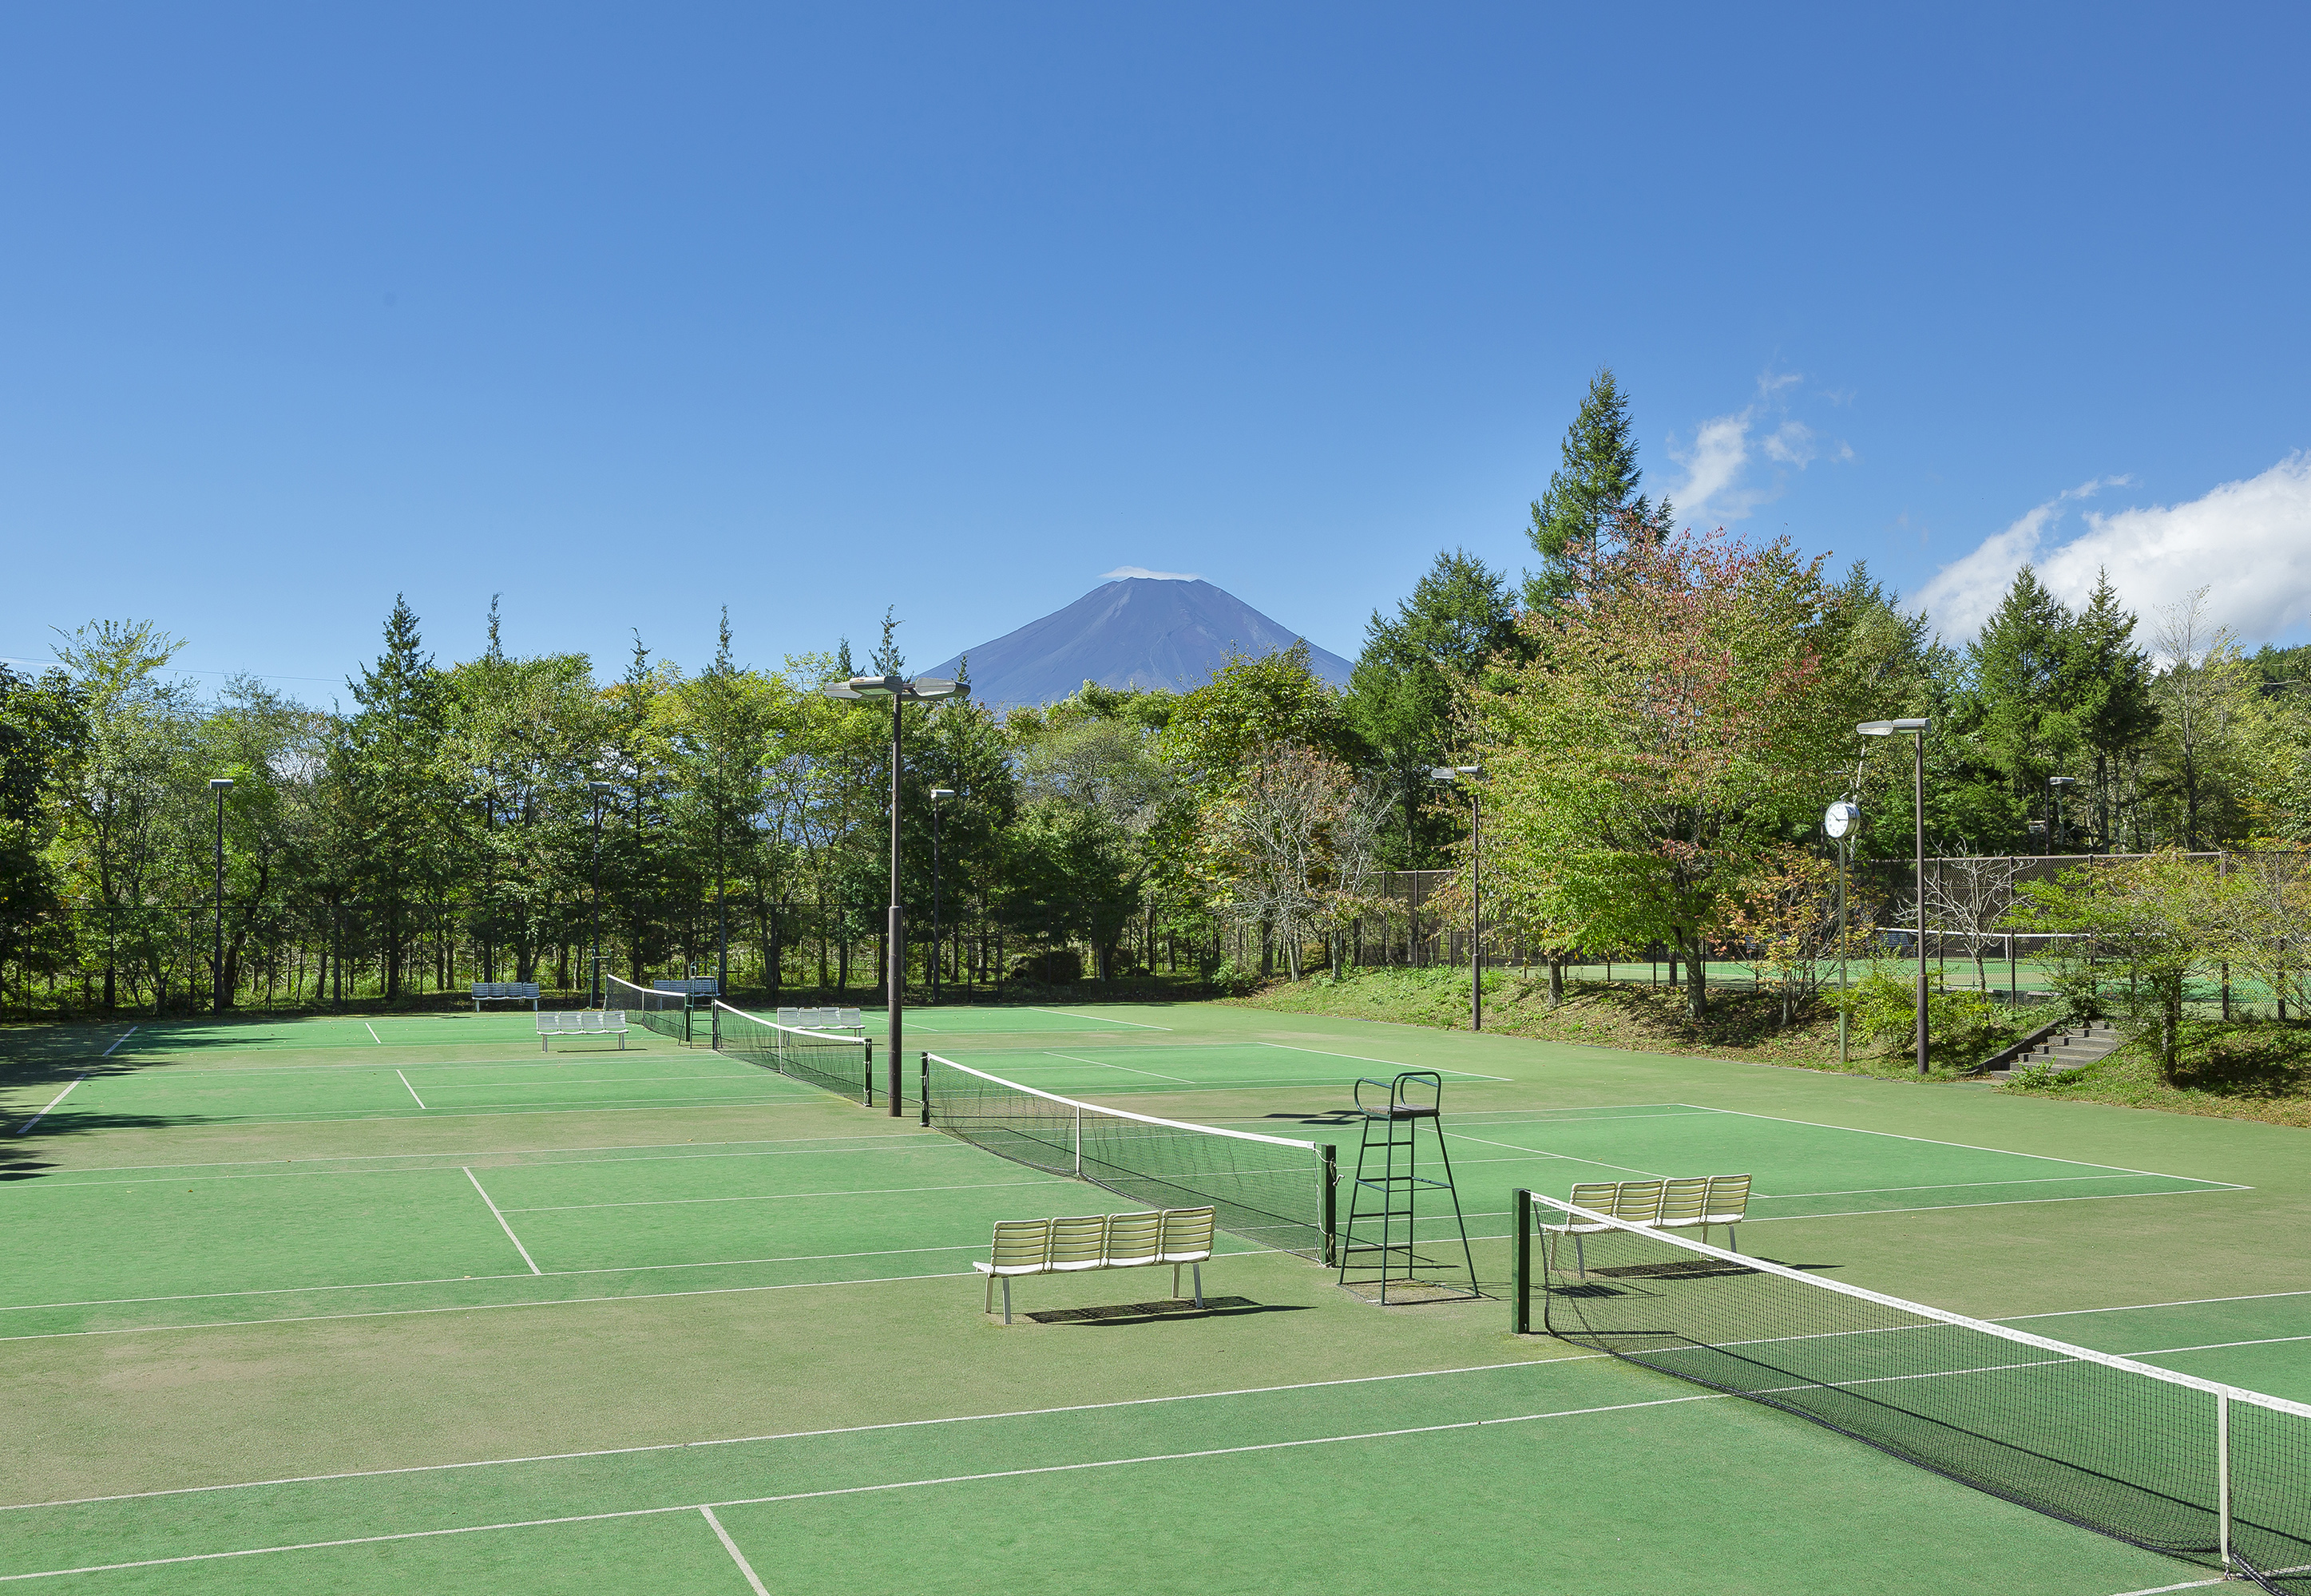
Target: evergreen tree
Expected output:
[1591,494]
[1404,694]
[401,808]
[2111,678]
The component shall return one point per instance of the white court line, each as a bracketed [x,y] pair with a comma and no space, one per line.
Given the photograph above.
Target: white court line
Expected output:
[1538,1152]
[867,1429]
[2188,1302]
[59,1097]
[1126,1069]
[1970,1147]
[2216,1346]
[373,1036]
[736,1557]
[1466,1075]
[669,1202]
[609,1080]
[1096,1018]
[802,1096]
[412,1091]
[125,1035]
[451,1160]
[896,1484]
[515,1240]
[2188,1584]
[1968,1185]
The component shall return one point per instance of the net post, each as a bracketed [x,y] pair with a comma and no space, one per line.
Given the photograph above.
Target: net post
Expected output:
[1078,1141]
[1328,1157]
[714,1020]
[1521,1296]
[2223,1476]
[870,1072]
[927,1089]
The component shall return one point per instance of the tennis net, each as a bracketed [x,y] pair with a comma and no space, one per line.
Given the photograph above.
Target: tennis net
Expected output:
[2211,1473]
[665,1013]
[1270,1189]
[833,1062]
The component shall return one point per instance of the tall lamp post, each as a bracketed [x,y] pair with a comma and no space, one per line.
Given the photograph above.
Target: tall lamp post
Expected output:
[2055,785]
[220,786]
[1840,821]
[940,796]
[596,790]
[902,692]
[1917,729]
[1446,775]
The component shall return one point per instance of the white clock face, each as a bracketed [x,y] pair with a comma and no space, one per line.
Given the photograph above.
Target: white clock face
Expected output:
[1842,818]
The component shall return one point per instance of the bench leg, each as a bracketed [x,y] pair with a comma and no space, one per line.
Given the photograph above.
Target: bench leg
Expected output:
[1198,1271]
[542,1040]
[1732,1242]
[1580,1257]
[990,1307]
[1006,1299]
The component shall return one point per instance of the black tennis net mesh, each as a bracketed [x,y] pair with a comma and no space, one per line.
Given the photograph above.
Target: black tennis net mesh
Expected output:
[2211,1473]
[1270,1189]
[665,1013]
[828,1059]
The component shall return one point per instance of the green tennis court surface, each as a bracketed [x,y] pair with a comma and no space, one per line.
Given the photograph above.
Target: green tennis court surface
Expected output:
[407,1303]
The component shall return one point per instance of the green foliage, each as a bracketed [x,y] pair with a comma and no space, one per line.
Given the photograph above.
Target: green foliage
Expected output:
[1962,1028]
[1593,495]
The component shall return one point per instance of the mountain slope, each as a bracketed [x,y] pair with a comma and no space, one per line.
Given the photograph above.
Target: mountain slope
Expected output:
[1139,632]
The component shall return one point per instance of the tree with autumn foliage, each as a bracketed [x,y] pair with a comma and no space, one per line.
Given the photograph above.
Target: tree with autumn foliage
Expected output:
[1687,711]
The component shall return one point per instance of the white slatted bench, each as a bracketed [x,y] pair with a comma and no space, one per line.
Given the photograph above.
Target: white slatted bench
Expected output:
[504,991]
[822,1019]
[1686,1202]
[1140,1240]
[689,986]
[580,1022]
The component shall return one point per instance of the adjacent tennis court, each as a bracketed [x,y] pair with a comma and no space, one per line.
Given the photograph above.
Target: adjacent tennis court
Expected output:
[452,1313]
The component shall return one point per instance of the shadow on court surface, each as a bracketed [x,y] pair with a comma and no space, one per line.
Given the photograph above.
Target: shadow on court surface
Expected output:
[1112,1314]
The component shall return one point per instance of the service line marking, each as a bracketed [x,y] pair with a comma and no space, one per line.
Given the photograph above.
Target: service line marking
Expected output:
[1126,1069]
[373,1036]
[412,1091]
[1096,1018]
[59,1097]
[736,1557]
[1466,1075]
[500,1218]
[125,1035]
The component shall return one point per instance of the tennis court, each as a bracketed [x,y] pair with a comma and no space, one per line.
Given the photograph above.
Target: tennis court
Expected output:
[674,1320]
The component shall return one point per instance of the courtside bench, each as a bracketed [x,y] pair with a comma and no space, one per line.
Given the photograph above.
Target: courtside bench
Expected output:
[1688,1202]
[822,1019]
[1140,1240]
[580,1022]
[504,991]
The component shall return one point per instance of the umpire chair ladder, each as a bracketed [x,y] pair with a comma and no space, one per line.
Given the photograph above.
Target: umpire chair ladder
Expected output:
[1387,1195]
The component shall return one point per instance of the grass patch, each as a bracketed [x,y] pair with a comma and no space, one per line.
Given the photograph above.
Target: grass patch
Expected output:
[2257,1069]
[1740,1024]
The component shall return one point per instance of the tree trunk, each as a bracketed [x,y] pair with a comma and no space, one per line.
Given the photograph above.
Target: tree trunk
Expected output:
[1555,978]
[1697,981]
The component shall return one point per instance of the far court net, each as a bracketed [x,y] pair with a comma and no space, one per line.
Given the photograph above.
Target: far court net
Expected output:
[827,1059]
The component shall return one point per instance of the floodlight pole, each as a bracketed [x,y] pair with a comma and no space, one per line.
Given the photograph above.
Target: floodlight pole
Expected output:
[1449,775]
[2055,785]
[1915,728]
[594,981]
[939,795]
[900,693]
[220,786]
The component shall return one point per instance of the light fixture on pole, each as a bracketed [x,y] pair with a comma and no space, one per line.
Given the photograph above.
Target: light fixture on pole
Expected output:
[1446,775]
[2055,785]
[902,692]
[1843,819]
[1916,728]
[596,789]
[220,786]
[940,796]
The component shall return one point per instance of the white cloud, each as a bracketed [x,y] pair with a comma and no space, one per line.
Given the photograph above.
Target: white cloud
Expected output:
[2248,542]
[1141,570]
[1717,462]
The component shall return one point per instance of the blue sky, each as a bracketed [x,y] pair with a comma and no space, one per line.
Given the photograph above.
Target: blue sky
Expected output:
[631,312]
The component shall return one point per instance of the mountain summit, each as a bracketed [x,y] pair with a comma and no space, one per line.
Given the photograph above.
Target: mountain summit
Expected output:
[1141,632]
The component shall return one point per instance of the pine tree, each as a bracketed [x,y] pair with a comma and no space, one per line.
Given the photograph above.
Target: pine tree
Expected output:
[2110,682]
[1593,493]
[401,806]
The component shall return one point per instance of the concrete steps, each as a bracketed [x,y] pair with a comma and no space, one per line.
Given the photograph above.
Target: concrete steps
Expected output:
[2063,1048]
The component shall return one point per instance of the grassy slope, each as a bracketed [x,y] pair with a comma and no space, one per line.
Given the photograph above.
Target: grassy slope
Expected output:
[2251,1069]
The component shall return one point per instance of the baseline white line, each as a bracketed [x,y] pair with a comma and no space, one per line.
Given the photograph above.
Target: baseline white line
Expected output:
[1100,1019]
[500,1218]
[897,1423]
[373,1036]
[910,1135]
[671,1202]
[412,1091]
[2216,1346]
[1966,1147]
[1126,1069]
[125,1035]
[557,1302]
[59,1097]
[736,1557]
[895,1485]
[2188,1584]
[1969,1185]
[1466,1075]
